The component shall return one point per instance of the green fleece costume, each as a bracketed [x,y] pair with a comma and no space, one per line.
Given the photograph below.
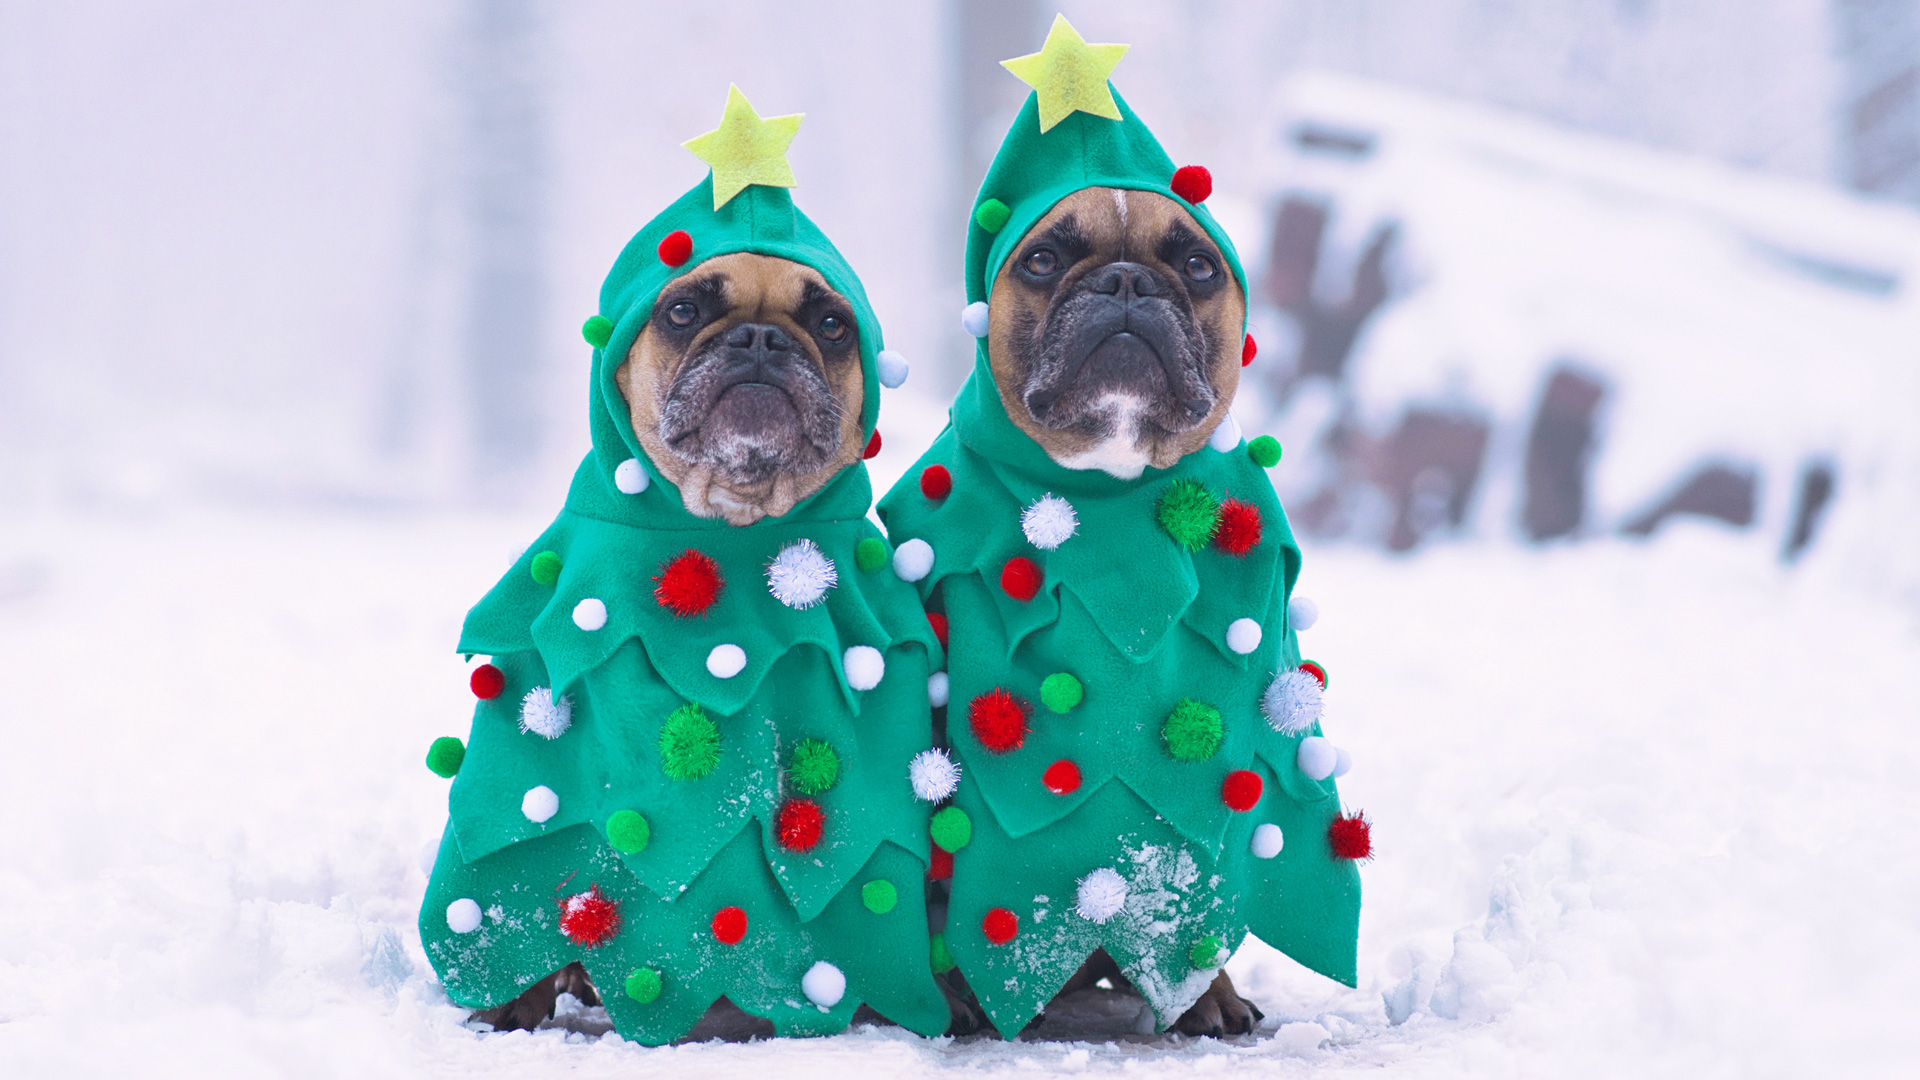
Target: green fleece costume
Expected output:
[695,791]
[1131,735]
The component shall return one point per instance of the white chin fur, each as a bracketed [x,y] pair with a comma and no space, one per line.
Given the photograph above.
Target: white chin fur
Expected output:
[1121,455]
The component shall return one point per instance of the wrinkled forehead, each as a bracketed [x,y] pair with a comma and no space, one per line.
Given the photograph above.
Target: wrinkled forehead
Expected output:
[748,283]
[1117,220]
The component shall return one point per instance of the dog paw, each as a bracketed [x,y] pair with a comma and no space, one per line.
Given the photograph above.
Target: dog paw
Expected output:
[1220,1012]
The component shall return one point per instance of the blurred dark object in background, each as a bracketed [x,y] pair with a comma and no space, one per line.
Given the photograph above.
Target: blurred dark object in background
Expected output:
[1818,478]
[1327,330]
[1722,492]
[1559,449]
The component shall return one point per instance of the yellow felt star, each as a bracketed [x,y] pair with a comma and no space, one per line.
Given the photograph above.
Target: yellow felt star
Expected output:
[1069,74]
[745,149]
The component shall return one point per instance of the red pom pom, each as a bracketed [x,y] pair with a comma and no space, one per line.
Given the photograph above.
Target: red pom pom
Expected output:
[999,720]
[677,248]
[1236,529]
[688,583]
[1248,351]
[940,867]
[1241,790]
[487,682]
[1313,668]
[936,482]
[938,621]
[1351,836]
[798,824]
[589,918]
[1020,578]
[1000,925]
[1192,183]
[729,925]
[1062,777]
[873,447]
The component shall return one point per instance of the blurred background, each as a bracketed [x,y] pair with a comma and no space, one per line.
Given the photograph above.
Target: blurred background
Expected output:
[1522,271]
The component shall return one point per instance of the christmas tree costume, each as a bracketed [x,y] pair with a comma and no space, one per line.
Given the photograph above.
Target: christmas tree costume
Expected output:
[1143,769]
[688,767]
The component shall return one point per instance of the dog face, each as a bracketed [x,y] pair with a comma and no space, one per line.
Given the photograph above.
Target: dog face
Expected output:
[1115,332]
[745,386]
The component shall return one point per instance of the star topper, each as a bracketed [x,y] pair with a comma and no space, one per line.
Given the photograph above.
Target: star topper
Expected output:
[1069,75]
[746,149]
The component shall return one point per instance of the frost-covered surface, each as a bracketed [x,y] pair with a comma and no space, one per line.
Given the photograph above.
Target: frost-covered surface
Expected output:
[1641,807]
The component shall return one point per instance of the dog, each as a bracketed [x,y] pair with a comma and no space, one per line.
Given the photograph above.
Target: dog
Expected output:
[745,390]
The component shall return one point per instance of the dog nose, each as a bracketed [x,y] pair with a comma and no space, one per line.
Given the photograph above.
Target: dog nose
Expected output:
[1125,280]
[759,337]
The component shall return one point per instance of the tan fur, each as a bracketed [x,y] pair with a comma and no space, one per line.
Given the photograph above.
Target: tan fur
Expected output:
[1123,224]
[760,288]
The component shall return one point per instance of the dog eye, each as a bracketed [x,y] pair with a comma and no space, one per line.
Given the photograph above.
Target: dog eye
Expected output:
[1042,262]
[832,328]
[1200,268]
[683,313]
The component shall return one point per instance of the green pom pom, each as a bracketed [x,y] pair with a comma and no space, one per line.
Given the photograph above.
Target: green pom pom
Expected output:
[598,330]
[939,957]
[1192,731]
[689,744]
[814,767]
[445,755]
[992,215]
[628,832]
[1265,451]
[1187,511]
[951,829]
[1209,952]
[871,554]
[546,568]
[879,895]
[1061,692]
[643,986]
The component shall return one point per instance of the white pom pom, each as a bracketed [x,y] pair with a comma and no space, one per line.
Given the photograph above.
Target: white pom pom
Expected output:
[1102,894]
[801,574]
[893,368]
[1293,701]
[1317,757]
[631,477]
[938,688]
[913,560]
[429,855]
[1049,521]
[726,661]
[824,985]
[1267,841]
[590,614]
[543,716]
[933,775]
[1302,613]
[865,667]
[1342,763]
[975,319]
[1243,636]
[539,804]
[463,916]
[1226,436]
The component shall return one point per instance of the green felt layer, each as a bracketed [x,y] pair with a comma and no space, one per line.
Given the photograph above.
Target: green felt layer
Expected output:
[883,955]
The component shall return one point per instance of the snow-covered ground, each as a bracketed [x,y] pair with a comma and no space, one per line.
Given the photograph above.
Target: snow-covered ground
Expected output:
[1639,807]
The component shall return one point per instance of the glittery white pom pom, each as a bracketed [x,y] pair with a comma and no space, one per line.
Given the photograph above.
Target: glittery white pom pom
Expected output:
[938,687]
[1292,702]
[1226,436]
[1317,757]
[1102,894]
[892,367]
[543,716]
[865,667]
[824,985]
[539,804]
[1302,613]
[975,319]
[913,560]
[1049,521]
[1243,636]
[463,916]
[726,661]
[933,774]
[631,477]
[801,574]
